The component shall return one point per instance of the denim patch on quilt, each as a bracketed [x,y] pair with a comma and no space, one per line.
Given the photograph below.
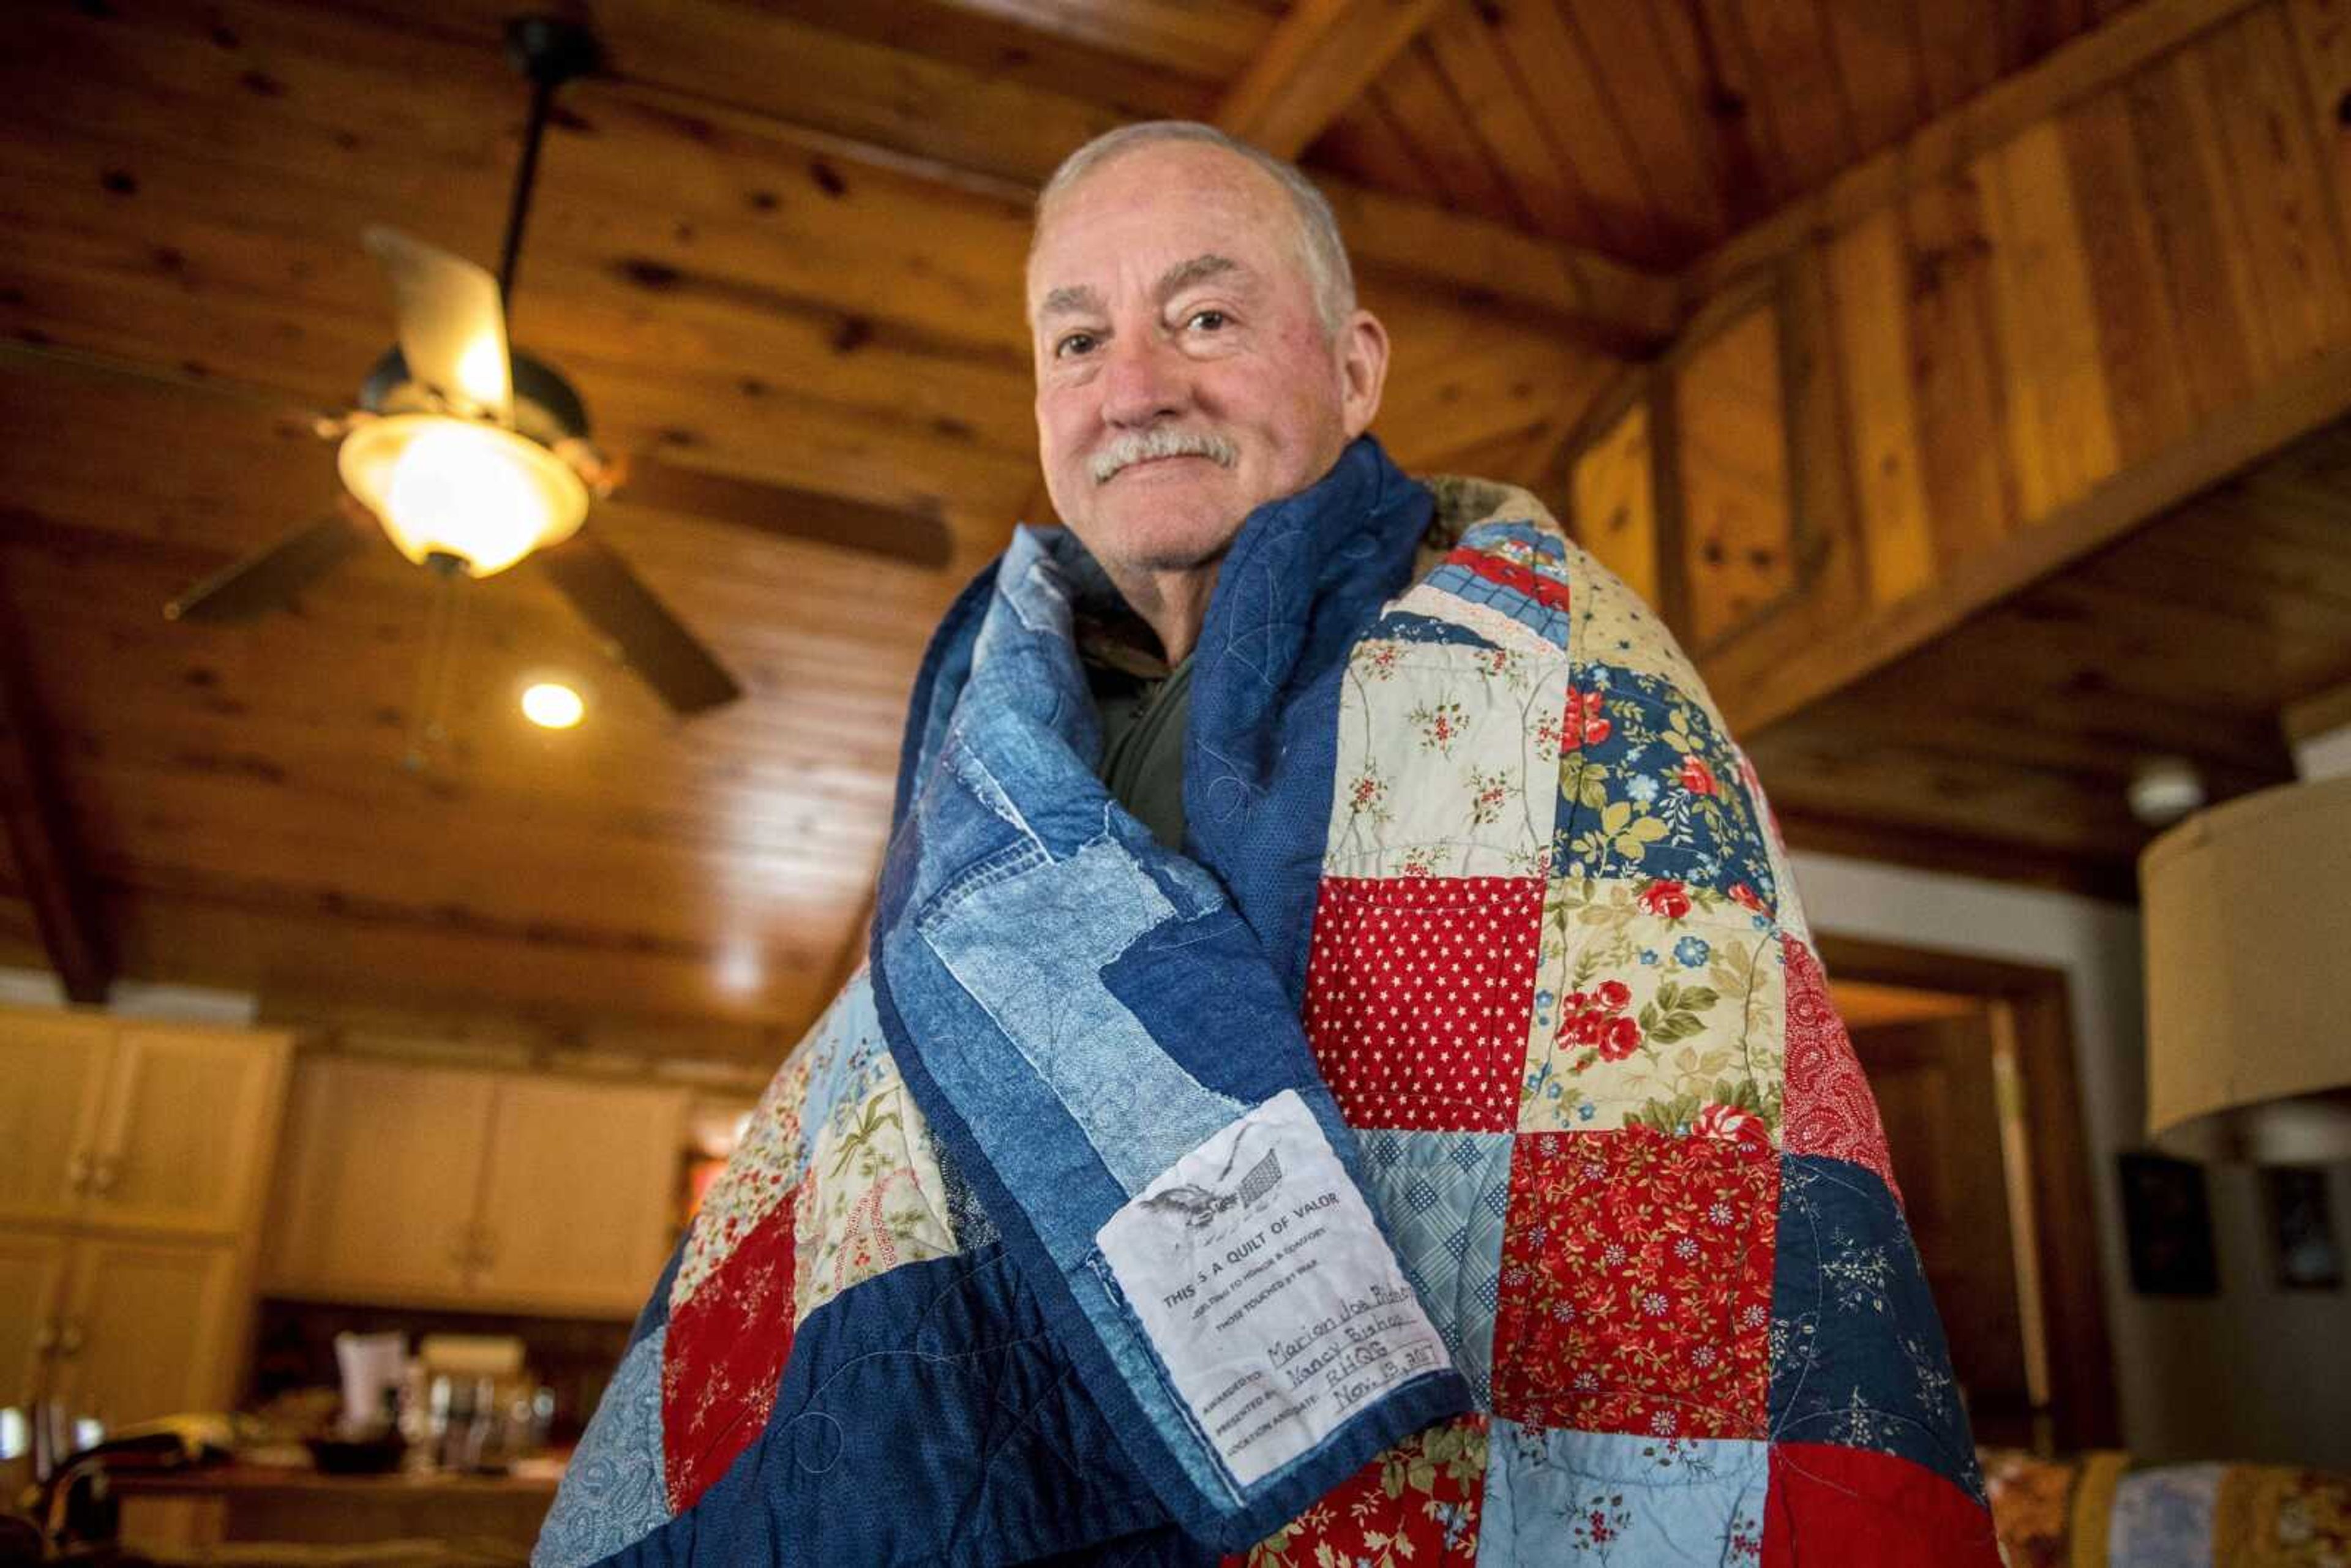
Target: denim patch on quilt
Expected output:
[1614,1497]
[1031,949]
[1858,1358]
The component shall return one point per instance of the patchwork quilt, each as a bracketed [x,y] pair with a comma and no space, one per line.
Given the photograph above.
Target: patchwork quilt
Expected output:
[1550,966]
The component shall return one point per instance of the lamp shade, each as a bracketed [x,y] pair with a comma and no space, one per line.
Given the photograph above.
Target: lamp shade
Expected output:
[450,486]
[2247,910]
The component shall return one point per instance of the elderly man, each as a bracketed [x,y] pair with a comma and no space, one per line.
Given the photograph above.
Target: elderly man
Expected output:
[1341,1076]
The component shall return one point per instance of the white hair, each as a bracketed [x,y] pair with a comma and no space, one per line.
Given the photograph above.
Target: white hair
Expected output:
[1320,247]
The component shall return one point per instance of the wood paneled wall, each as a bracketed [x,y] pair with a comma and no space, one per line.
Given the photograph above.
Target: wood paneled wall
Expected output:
[2022,350]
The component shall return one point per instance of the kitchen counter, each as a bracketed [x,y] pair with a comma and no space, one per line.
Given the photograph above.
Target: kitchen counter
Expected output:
[494,1518]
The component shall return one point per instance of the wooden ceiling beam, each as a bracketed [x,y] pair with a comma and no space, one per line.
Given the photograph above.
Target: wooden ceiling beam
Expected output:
[2088,62]
[49,865]
[1321,58]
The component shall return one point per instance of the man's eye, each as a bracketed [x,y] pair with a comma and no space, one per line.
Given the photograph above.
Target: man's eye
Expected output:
[1073,343]
[1209,320]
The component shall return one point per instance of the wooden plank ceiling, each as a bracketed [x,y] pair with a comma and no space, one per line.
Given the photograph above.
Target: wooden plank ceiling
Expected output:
[774,243]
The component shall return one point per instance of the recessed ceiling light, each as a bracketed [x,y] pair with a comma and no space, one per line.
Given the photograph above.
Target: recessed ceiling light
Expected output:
[550,705]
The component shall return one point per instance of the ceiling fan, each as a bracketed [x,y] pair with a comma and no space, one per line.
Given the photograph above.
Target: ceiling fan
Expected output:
[473,456]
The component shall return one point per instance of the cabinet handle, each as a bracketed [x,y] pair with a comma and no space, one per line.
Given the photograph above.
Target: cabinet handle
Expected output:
[70,1342]
[109,1170]
[45,1340]
[77,1171]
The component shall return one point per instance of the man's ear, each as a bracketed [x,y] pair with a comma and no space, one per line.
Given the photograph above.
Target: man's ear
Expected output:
[1363,370]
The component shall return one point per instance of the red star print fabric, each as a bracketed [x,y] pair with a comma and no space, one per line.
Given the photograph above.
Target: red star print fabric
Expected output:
[1418,994]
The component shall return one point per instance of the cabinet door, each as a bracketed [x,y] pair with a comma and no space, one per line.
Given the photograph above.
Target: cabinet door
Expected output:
[377,1185]
[191,1123]
[32,1300]
[576,1209]
[151,1329]
[52,1069]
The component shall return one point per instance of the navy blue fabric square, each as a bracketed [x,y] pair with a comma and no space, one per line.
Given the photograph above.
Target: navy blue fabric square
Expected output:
[1858,1357]
[1651,790]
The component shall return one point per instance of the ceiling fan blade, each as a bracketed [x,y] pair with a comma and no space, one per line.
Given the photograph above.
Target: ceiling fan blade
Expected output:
[646,636]
[900,534]
[270,580]
[453,321]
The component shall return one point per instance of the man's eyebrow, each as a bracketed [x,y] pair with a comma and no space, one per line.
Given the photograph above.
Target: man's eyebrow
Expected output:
[1199,270]
[1071,300]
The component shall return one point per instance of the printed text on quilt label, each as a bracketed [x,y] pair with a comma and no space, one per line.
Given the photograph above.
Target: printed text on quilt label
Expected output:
[1263,1282]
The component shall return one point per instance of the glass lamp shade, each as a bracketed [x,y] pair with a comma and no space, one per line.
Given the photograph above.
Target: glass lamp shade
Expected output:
[2249,978]
[455,487]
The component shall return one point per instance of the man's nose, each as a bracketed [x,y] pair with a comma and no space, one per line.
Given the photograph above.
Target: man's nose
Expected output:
[1144,381]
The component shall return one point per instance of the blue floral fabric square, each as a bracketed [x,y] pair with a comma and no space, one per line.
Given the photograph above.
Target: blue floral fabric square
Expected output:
[1857,1353]
[1614,1497]
[1651,790]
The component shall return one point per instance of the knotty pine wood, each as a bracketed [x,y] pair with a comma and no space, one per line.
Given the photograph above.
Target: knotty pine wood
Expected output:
[1865,267]
[1577,174]
[2148,389]
[1958,383]
[1653,110]
[1318,59]
[1738,526]
[2060,437]
[1614,501]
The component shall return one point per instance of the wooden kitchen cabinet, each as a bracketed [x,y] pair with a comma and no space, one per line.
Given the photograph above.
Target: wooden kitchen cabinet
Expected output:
[422,1185]
[577,1193]
[377,1187]
[32,1300]
[53,1072]
[150,1328]
[122,1125]
[190,1117]
[133,1155]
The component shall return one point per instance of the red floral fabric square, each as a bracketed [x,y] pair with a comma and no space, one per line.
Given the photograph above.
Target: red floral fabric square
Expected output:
[1863,1510]
[1416,1504]
[724,1357]
[1419,991]
[1827,1108]
[1637,1283]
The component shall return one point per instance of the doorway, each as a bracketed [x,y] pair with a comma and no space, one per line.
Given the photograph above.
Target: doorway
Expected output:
[1971,1061]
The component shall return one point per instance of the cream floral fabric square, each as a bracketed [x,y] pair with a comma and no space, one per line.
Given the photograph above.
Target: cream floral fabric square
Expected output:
[1477,731]
[872,1198]
[1656,1004]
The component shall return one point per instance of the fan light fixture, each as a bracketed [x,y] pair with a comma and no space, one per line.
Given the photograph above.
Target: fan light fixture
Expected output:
[551,705]
[446,487]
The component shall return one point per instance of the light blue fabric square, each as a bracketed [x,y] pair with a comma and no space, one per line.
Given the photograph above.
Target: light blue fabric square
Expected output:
[1444,1196]
[1555,1498]
[614,1493]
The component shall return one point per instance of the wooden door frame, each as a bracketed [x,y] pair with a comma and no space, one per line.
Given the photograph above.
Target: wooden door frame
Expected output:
[2073,1309]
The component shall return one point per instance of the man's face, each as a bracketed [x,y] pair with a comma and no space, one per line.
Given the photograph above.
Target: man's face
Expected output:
[1183,376]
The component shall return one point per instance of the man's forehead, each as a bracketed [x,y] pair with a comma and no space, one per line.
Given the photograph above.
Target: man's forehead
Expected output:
[1157,188]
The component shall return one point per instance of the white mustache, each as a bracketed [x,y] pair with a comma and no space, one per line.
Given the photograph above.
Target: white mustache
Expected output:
[1161,441]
